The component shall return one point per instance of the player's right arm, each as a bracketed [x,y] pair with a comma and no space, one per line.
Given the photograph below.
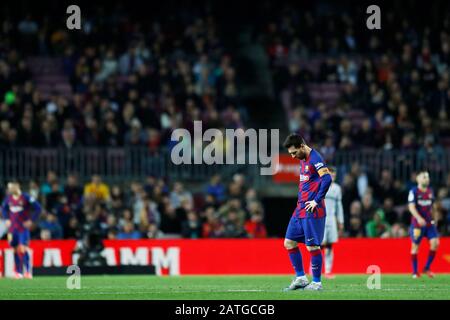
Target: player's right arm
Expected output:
[413,209]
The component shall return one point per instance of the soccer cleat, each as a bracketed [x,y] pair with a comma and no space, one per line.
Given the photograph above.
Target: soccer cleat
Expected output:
[28,275]
[329,276]
[415,276]
[297,283]
[429,273]
[18,275]
[314,286]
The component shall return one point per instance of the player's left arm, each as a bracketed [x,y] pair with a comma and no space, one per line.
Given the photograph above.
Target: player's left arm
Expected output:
[325,183]
[5,213]
[434,210]
[36,207]
[5,210]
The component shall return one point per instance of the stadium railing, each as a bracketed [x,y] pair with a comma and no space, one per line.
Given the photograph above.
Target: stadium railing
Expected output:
[119,164]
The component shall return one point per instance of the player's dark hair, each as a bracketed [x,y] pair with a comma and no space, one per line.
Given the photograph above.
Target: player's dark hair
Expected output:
[293,140]
[422,171]
[15,181]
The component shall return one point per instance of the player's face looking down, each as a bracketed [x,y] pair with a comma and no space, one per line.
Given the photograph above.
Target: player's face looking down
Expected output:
[298,153]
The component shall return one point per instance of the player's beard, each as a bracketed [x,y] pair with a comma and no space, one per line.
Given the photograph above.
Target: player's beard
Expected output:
[301,155]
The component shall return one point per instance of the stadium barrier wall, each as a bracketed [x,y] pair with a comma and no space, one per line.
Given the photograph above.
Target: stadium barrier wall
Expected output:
[118,164]
[234,256]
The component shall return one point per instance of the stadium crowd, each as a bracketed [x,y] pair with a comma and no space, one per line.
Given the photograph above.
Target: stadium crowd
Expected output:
[145,209]
[392,85]
[154,208]
[377,206]
[391,92]
[133,83]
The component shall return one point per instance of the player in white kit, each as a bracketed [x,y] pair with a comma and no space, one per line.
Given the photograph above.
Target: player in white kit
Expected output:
[334,222]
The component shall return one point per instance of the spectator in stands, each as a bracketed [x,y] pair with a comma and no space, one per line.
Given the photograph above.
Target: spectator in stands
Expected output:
[390,214]
[443,211]
[235,205]
[73,191]
[385,186]
[233,226]
[349,194]
[63,211]
[97,189]
[153,232]
[178,194]
[170,221]
[368,207]
[117,200]
[72,231]
[398,230]
[46,187]
[213,227]
[216,188]
[356,227]
[33,189]
[50,222]
[128,232]
[149,214]
[209,201]
[45,234]
[191,227]
[254,226]
[52,198]
[109,227]
[361,179]
[251,200]
[378,227]
[125,217]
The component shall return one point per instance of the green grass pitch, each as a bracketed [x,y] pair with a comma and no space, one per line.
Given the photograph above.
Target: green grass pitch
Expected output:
[223,288]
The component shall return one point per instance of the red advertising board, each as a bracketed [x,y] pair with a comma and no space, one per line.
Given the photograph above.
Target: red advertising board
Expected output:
[238,256]
[288,170]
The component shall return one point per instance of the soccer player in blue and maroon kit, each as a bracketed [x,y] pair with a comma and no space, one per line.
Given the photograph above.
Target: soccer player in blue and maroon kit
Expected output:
[16,210]
[307,224]
[420,204]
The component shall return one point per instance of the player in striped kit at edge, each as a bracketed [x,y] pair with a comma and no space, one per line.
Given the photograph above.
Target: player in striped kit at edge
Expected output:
[334,222]
[423,224]
[20,210]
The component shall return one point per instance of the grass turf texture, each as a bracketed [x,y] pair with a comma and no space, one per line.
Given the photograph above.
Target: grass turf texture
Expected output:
[223,288]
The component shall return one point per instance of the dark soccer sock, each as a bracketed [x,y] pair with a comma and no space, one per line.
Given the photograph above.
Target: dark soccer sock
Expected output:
[414,262]
[430,259]
[316,264]
[296,260]
[26,261]
[18,262]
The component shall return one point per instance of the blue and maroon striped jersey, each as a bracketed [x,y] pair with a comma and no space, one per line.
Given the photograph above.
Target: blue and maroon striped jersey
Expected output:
[18,210]
[424,204]
[309,185]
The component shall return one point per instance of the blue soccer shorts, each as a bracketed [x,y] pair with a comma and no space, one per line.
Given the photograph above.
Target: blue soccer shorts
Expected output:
[309,231]
[19,237]
[417,233]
